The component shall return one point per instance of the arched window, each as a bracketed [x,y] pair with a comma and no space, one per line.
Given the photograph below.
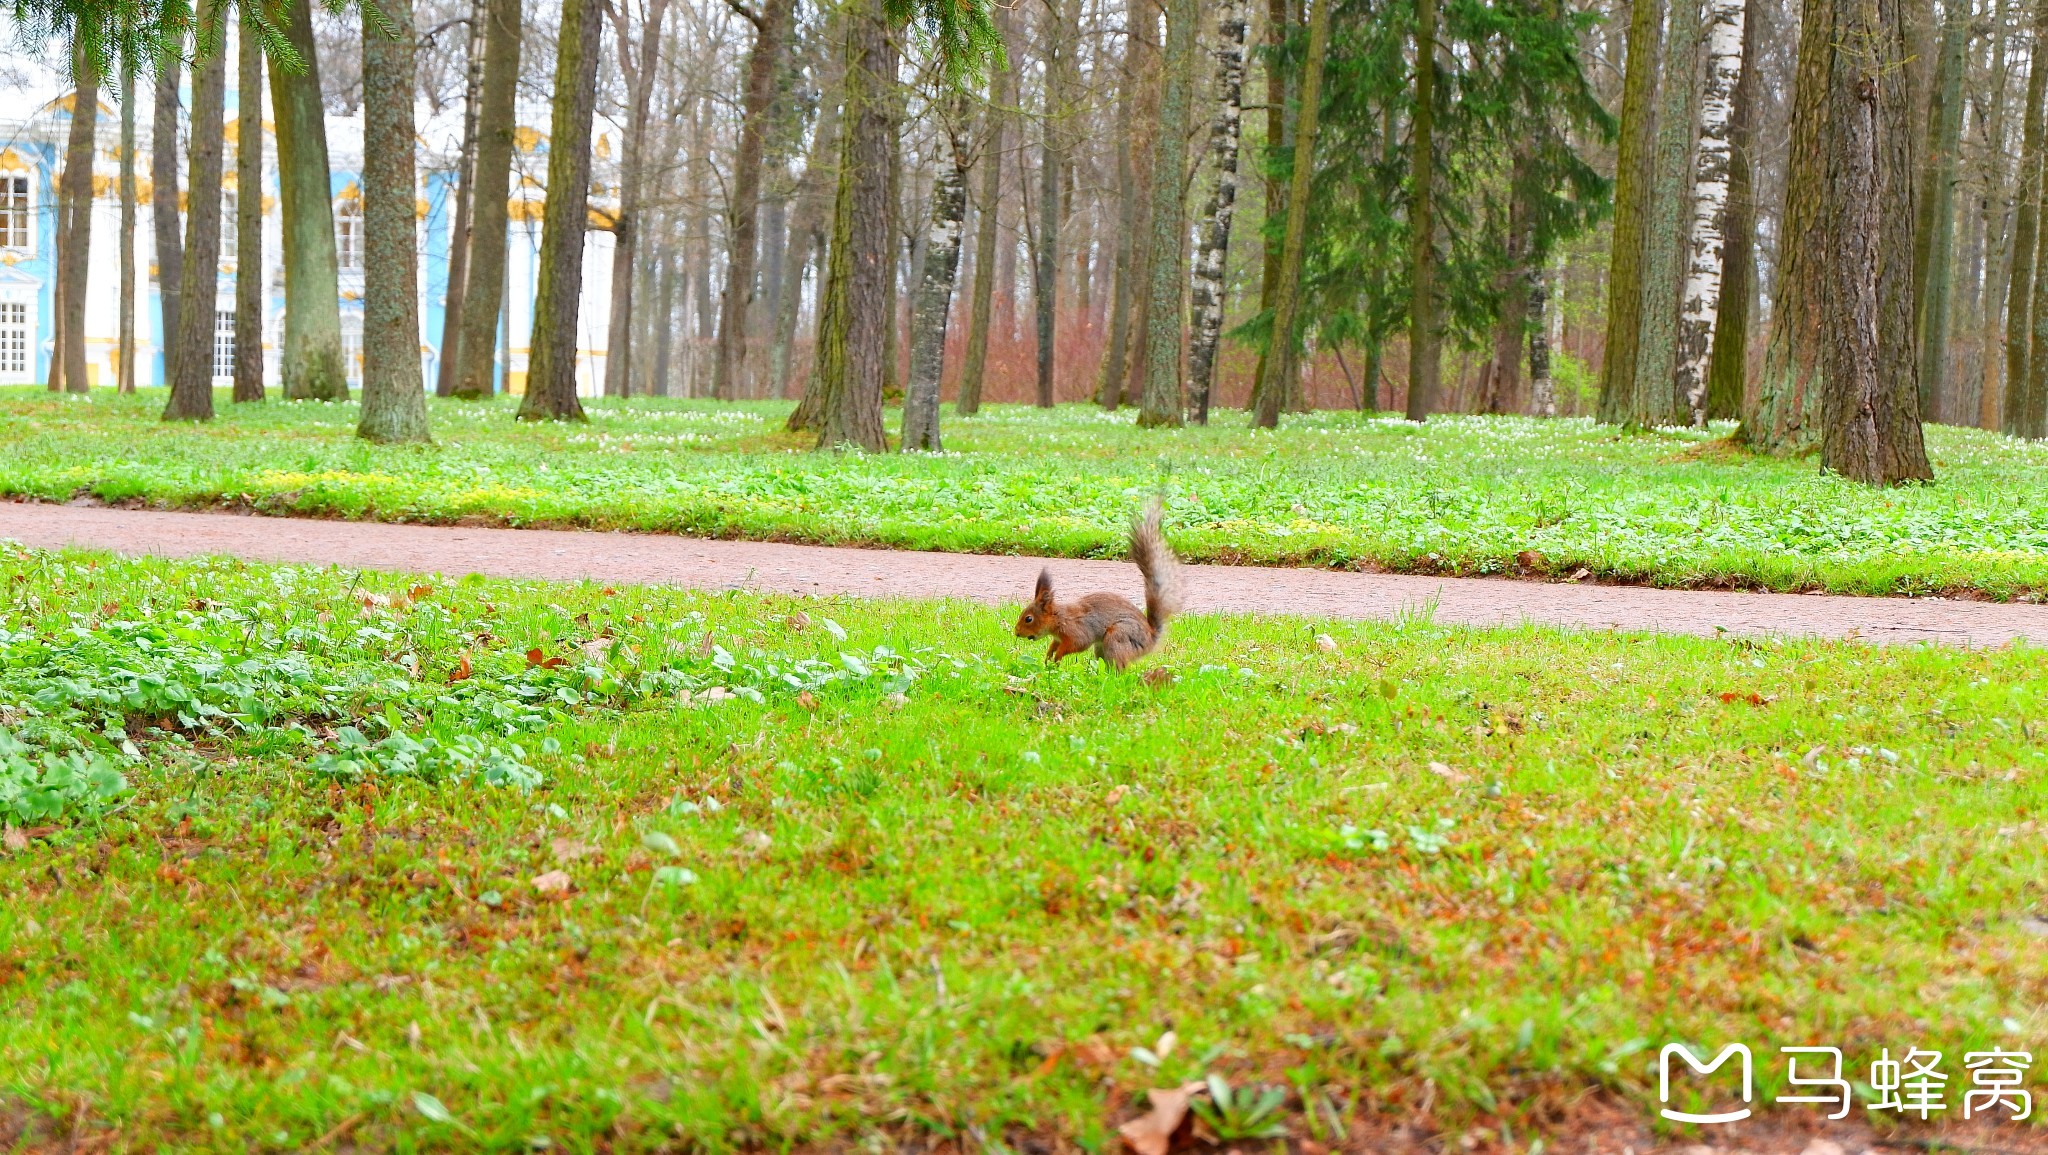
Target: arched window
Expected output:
[348,233]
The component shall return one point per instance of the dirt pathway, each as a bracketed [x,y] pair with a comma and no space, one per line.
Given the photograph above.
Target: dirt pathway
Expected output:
[700,564]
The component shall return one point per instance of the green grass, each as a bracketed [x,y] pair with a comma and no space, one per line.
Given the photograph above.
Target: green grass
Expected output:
[1447,877]
[1462,495]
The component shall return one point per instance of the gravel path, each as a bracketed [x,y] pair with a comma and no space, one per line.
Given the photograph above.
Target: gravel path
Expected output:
[679,561]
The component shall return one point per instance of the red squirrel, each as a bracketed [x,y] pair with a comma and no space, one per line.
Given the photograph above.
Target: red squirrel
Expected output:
[1120,632]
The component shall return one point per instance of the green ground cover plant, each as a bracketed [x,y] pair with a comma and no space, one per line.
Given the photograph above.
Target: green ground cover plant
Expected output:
[1465,495]
[404,862]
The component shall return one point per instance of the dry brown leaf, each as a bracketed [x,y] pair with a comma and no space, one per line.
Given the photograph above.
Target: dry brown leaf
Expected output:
[597,649]
[553,882]
[569,849]
[14,840]
[1445,772]
[806,700]
[799,621]
[461,670]
[1157,677]
[1167,1125]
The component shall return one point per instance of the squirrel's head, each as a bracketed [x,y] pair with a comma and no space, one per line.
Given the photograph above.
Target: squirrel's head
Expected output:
[1037,618]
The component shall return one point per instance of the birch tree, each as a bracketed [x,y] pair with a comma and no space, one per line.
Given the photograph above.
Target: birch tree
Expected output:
[1212,255]
[1700,303]
[934,302]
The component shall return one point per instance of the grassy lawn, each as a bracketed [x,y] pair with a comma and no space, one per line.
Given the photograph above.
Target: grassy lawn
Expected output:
[1462,495]
[302,856]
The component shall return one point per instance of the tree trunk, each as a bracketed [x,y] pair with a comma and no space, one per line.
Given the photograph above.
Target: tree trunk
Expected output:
[2032,420]
[1161,401]
[1147,67]
[639,77]
[312,367]
[1423,336]
[453,301]
[192,384]
[1728,364]
[484,287]
[1788,417]
[1282,354]
[1501,380]
[743,223]
[249,217]
[75,250]
[935,291]
[163,198]
[1002,95]
[1994,219]
[1212,259]
[128,210]
[394,392]
[1631,212]
[2019,294]
[1045,267]
[1870,411]
[1542,389]
[1934,250]
[1109,375]
[1699,306]
[804,232]
[854,320]
[551,364]
[1278,24]
[1655,400]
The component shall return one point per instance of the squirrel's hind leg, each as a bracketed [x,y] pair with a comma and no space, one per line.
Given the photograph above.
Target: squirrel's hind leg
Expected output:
[1122,645]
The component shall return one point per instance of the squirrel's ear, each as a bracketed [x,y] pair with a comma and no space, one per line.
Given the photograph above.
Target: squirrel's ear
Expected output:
[1043,592]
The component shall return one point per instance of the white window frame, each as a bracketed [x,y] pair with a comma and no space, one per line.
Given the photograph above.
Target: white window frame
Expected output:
[17,218]
[348,234]
[223,346]
[17,341]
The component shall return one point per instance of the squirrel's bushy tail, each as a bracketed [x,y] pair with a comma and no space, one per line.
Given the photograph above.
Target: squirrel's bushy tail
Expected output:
[1161,568]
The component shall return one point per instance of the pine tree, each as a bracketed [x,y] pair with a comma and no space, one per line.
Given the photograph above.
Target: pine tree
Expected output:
[1632,172]
[1424,335]
[1283,362]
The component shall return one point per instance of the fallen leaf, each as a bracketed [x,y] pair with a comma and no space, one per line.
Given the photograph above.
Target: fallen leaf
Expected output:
[1529,559]
[569,849]
[805,700]
[1445,772]
[432,1108]
[1581,574]
[553,882]
[109,609]
[798,621]
[14,840]
[597,649]
[1158,677]
[461,670]
[1326,643]
[538,657]
[1752,697]
[421,593]
[1167,1125]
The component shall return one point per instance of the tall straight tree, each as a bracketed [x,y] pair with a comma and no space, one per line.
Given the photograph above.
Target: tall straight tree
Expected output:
[74,249]
[1787,419]
[1870,409]
[249,215]
[163,188]
[448,363]
[1631,210]
[2019,294]
[1728,364]
[1699,305]
[483,292]
[1109,375]
[1283,361]
[771,21]
[551,364]
[1045,281]
[128,195]
[806,229]
[1212,258]
[1934,237]
[638,64]
[1160,404]
[192,381]
[1654,400]
[934,301]
[1002,96]
[312,368]
[1993,219]
[844,403]
[1424,336]
[394,392]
